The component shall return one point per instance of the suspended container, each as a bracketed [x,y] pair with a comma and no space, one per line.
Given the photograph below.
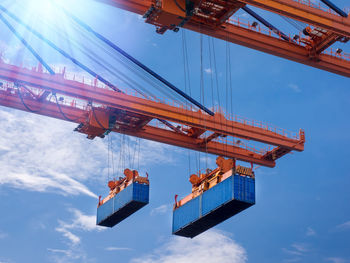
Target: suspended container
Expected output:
[225,199]
[127,196]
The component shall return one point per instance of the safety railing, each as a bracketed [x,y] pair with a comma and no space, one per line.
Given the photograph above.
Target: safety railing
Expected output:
[319,6]
[296,39]
[63,100]
[239,143]
[229,117]
[229,141]
[244,23]
[258,124]
[337,54]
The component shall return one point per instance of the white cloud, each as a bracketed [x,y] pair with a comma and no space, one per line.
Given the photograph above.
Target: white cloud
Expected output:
[117,248]
[300,247]
[74,239]
[208,70]
[55,250]
[344,226]
[160,210]
[52,181]
[336,260]
[310,232]
[3,235]
[79,222]
[294,87]
[82,222]
[44,155]
[297,249]
[292,252]
[210,247]
[69,255]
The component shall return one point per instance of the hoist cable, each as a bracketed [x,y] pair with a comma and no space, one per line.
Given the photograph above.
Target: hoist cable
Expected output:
[105,65]
[138,63]
[61,111]
[136,70]
[62,52]
[22,100]
[113,170]
[26,44]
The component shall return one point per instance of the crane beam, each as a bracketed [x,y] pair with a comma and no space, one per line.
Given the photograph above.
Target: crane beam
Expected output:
[267,41]
[306,13]
[155,109]
[9,98]
[275,46]
[217,148]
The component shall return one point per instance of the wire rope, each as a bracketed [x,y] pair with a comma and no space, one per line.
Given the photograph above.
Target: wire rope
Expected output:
[61,111]
[22,100]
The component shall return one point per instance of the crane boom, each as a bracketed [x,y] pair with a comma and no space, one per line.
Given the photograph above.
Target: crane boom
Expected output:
[102,110]
[212,17]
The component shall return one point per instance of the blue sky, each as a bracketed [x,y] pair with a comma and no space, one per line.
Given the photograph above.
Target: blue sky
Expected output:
[50,177]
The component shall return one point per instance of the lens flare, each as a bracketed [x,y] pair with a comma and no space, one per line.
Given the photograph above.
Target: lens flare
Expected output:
[43,8]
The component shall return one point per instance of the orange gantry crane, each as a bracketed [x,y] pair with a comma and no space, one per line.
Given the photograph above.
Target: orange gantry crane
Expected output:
[99,107]
[214,18]
[98,110]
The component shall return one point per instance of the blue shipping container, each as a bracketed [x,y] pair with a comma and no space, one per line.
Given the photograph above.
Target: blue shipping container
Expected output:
[214,206]
[122,205]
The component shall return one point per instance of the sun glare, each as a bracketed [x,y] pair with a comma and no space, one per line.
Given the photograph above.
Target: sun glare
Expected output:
[43,8]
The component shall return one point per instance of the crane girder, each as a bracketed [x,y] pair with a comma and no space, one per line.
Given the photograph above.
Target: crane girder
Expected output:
[102,110]
[306,12]
[147,107]
[213,20]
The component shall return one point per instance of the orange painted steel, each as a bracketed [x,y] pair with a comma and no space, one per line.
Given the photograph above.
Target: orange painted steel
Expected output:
[137,116]
[307,12]
[218,25]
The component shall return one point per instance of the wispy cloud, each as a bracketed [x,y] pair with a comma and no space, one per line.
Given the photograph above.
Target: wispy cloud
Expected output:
[210,247]
[344,226]
[72,254]
[161,210]
[80,222]
[54,250]
[74,239]
[310,232]
[300,247]
[3,235]
[117,248]
[336,260]
[45,155]
[208,71]
[3,260]
[292,252]
[294,87]
[51,182]
[297,250]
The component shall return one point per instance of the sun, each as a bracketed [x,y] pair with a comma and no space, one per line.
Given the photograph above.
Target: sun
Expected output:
[44,9]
